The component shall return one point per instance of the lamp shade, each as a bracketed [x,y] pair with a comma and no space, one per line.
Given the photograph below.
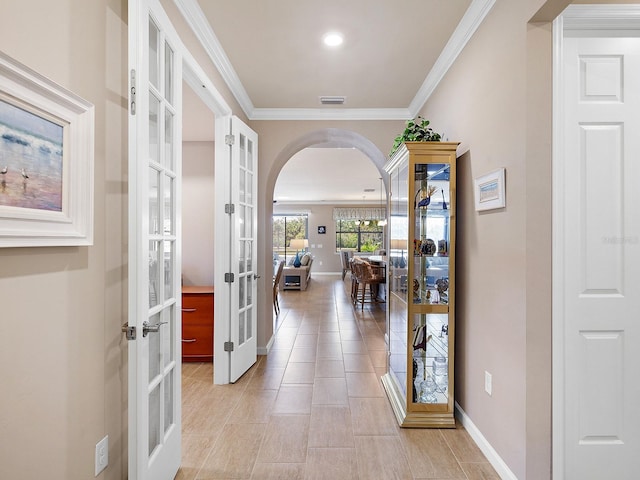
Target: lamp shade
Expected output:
[398,244]
[299,243]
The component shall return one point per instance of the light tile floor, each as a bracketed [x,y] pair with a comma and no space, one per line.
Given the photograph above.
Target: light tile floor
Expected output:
[314,408]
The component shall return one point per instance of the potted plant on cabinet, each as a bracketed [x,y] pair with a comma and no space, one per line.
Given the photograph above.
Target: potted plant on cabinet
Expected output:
[417,130]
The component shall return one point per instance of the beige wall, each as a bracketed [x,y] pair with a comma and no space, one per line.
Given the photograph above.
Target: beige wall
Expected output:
[61,361]
[198,202]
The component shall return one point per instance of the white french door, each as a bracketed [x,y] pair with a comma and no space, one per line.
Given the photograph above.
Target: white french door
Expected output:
[155,74]
[597,254]
[236,265]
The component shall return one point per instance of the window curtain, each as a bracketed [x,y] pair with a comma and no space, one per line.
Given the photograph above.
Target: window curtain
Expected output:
[359,213]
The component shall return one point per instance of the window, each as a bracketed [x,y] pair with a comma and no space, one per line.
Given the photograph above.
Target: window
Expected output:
[361,236]
[285,228]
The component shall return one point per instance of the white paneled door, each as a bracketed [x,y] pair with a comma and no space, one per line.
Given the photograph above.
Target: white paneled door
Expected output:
[154,244]
[597,258]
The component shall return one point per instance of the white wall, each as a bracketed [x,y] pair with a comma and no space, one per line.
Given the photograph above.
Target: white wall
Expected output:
[198,201]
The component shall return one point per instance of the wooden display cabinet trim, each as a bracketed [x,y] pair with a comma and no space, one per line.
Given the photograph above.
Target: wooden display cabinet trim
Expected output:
[195,289]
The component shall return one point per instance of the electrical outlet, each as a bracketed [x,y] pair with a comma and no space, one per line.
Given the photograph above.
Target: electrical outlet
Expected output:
[102,454]
[487,382]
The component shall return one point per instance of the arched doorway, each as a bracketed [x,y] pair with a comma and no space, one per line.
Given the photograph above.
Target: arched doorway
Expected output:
[327,138]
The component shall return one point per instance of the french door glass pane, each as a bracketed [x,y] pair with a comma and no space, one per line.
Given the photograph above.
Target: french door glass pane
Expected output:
[154,201]
[241,293]
[241,259]
[249,256]
[155,273]
[242,186]
[249,222]
[249,324]
[168,139]
[168,269]
[154,128]
[241,337]
[167,335]
[168,73]
[249,292]
[243,152]
[154,419]
[154,349]
[249,188]
[168,400]
[168,205]
[250,156]
[243,221]
[154,54]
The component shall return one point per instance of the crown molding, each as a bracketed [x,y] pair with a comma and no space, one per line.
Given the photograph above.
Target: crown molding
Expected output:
[599,17]
[198,22]
[469,23]
[472,19]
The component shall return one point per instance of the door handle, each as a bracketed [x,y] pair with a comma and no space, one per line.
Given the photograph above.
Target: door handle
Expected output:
[256,276]
[146,328]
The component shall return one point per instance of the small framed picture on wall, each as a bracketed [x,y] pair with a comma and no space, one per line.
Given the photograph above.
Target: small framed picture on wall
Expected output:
[322,229]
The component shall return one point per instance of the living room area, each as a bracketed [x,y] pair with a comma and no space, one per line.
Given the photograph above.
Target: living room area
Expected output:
[315,220]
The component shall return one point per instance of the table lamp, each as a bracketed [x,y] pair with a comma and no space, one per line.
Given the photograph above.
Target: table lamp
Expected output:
[298,244]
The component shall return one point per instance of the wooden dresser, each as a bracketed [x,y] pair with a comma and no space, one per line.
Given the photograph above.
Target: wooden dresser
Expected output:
[197,324]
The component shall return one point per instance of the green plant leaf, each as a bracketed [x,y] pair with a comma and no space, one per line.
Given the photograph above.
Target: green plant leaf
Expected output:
[417,130]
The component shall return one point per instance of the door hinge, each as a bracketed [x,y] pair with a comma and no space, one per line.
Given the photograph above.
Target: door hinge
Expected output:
[130,332]
[133,92]
[228,278]
[229,139]
[228,346]
[229,208]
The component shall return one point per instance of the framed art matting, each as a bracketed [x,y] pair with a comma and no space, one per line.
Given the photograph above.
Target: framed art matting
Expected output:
[490,190]
[46,161]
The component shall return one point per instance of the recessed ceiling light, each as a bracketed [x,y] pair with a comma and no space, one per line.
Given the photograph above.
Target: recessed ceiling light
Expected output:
[333,39]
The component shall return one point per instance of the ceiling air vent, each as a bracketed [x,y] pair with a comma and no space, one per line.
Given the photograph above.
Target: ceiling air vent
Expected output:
[327,100]
[369,190]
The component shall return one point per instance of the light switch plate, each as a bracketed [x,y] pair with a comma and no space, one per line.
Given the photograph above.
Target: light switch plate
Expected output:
[102,454]
[487,382]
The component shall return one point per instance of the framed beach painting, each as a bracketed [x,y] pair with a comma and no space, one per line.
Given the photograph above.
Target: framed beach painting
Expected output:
[490,190]
[46,161]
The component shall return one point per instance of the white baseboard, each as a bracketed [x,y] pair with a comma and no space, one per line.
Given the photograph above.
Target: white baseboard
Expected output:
[267,349]
[496,462]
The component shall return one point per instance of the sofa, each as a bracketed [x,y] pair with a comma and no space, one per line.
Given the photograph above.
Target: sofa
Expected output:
[297,278]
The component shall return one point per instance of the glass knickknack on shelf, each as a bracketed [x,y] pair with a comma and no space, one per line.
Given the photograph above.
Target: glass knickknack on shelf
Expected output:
[420,307]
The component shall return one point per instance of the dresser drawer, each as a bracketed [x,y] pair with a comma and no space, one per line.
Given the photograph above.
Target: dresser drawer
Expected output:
[197,343]
[197,309]
[197,324]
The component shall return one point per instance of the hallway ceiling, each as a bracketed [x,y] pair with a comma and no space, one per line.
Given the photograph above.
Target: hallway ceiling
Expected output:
[271,55]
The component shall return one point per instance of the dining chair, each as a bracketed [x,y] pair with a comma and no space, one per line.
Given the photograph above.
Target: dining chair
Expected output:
[276,287]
